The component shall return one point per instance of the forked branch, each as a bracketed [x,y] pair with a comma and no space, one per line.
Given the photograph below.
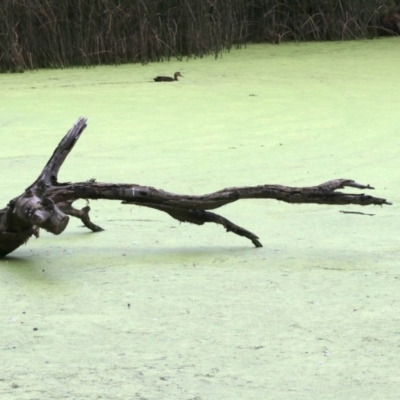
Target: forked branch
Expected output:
[47,203]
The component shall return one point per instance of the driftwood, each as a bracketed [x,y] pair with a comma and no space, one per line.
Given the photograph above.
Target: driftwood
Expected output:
[47,204]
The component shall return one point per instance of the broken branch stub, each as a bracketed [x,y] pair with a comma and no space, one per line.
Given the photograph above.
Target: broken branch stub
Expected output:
[47,203]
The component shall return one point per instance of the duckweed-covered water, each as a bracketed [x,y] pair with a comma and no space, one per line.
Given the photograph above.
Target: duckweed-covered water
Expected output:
[153,309]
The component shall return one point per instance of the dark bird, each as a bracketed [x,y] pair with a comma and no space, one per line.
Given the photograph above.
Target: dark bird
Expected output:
[168,78]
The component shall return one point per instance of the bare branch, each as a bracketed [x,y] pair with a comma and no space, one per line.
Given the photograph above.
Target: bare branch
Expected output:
[47,203]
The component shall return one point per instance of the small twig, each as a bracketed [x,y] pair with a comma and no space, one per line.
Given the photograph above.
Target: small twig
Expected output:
[83,215]
[355,212]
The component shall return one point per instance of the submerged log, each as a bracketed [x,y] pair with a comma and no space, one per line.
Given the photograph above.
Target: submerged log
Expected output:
[47,204]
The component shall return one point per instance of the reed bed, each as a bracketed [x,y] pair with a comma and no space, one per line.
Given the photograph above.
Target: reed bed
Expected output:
[60,34]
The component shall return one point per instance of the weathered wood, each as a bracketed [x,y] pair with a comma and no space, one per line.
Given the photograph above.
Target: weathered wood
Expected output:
[47,203]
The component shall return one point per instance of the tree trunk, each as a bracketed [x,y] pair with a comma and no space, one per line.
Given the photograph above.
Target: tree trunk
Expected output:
[47,203]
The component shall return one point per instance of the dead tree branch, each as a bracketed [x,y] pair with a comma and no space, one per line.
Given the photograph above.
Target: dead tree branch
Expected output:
[47,203]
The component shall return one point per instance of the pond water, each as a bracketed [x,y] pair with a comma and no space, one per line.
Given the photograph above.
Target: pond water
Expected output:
[153,309]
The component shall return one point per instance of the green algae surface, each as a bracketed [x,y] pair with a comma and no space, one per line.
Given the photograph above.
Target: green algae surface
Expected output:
[153,309]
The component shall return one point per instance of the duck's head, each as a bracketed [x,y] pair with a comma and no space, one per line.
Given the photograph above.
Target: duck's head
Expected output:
[176,74]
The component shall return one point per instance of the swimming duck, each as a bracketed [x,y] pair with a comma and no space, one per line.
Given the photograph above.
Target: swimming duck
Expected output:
[168,78]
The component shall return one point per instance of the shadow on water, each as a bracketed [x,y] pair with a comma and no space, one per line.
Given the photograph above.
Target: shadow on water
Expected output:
[27,269]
